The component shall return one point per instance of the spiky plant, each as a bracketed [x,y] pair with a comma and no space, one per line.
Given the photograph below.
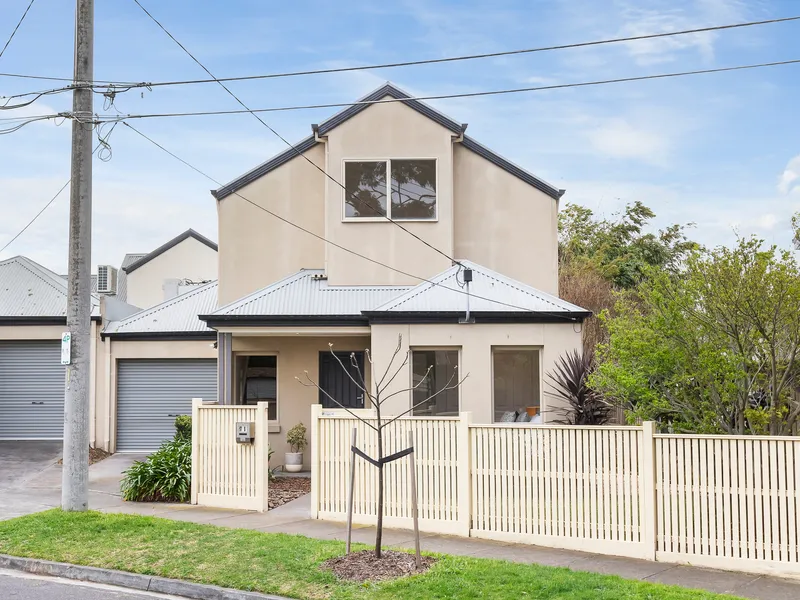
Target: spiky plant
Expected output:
[570,381]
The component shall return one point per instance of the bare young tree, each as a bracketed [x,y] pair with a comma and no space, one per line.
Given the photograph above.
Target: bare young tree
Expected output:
[378,396]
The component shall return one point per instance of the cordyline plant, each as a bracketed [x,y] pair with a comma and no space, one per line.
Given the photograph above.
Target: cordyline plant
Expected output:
[570,381]
[377,398]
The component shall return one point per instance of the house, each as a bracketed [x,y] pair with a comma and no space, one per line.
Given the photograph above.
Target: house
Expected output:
[33,309]
[385,212]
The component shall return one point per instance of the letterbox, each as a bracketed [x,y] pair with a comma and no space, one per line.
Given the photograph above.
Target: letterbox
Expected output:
[245,432]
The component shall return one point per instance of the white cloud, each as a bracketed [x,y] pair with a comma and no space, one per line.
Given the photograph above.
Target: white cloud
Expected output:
[790,178]
[618,138]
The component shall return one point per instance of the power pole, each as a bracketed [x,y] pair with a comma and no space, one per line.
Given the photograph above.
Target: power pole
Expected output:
[75,476]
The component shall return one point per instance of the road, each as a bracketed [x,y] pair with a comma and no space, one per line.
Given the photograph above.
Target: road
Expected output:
[21,586]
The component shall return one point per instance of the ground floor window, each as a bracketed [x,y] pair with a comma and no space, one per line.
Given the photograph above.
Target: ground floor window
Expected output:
[258,382]
[433,370]
[516,384]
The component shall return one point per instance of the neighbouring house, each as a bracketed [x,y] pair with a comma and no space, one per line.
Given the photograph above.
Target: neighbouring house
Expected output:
[285,294]
[144,280]
[33,308]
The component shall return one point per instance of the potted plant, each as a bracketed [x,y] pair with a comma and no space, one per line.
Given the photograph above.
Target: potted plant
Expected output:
[296,438]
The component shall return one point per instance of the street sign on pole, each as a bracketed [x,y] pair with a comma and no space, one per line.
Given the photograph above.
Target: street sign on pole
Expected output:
[66,348]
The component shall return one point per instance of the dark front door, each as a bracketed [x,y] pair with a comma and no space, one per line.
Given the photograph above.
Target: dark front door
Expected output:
[334,380]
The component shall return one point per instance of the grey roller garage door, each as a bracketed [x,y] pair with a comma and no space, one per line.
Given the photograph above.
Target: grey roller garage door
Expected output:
[31,390]
[150,393]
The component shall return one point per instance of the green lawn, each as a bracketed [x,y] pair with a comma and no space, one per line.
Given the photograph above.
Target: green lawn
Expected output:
[288,565]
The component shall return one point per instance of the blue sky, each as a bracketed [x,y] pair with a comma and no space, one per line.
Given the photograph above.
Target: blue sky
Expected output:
[719,150]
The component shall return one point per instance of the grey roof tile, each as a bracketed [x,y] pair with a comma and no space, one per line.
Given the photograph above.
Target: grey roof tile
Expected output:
[307,293]
[29,290]
[490,292]
[178,315]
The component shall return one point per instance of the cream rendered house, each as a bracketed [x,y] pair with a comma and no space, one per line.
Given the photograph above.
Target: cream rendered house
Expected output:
[285,294]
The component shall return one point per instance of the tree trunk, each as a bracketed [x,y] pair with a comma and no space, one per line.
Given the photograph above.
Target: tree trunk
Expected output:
[379,530]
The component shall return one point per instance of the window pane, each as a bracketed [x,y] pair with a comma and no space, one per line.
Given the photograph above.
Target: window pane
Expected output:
[516,381]
[442,365]
[413,189]
[365,185]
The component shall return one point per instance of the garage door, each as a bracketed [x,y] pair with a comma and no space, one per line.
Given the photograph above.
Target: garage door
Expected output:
[151,393]
[31,390]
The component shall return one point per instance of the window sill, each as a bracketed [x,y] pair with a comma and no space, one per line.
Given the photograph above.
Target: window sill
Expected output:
[385,220]
[274,428]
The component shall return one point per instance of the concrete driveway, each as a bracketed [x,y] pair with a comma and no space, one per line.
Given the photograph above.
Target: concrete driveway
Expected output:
[30,478]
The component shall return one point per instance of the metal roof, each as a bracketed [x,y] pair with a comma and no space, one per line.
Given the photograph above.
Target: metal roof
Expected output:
[122,275]
[391,91]
[189,233]
[178,315]
[29,290]
[489,292]
[307,293]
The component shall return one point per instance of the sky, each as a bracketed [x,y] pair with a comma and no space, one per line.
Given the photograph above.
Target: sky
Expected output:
[721,151]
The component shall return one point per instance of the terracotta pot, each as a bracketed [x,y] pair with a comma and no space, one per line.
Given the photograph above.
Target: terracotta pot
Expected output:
[532,411]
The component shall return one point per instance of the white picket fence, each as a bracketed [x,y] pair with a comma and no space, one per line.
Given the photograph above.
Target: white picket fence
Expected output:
[719,501]
[227,474]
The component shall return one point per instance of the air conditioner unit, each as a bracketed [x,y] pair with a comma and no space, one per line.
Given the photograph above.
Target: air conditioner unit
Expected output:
[106,279]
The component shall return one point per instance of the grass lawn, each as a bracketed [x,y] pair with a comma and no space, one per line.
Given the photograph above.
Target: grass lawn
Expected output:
[287,564]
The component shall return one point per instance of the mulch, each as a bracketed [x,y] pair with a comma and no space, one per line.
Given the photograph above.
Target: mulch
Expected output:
[286,489]
[363,566]
[95,456]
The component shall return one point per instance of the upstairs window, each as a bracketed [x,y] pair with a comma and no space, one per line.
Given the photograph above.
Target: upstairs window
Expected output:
[411,194]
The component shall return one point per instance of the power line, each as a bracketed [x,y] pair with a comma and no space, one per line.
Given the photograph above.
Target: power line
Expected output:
[39,214]
[458,95]
[287,142]
[433,60]
[13,33]
[329,242]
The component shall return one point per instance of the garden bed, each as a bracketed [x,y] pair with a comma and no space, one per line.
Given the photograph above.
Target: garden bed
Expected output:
[286,489]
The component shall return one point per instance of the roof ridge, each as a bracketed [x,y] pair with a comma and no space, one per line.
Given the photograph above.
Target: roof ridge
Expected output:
[22,260]
[508,283]
[431,283]
[266,290]
[165,304]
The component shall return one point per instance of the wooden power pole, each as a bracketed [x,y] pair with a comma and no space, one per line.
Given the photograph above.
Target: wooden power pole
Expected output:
[76,343]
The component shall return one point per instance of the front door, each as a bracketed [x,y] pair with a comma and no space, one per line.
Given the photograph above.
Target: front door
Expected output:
[334,380]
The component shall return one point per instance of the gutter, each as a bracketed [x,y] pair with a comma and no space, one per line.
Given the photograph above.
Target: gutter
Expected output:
[160,335]
[385,317]
[282,320]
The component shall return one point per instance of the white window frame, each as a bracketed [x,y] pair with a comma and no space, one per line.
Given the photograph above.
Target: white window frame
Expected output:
[277,419]
[517,348]
[457,378]
[388,161]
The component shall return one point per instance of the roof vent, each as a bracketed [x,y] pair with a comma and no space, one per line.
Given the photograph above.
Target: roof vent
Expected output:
[106,279]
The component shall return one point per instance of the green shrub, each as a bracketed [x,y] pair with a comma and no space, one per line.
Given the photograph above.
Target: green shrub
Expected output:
[183,427]
[296,438]
[165,476]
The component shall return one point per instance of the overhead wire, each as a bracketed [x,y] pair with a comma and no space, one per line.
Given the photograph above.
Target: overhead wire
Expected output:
[448,59]
[13,33]
[335,244]
[455,95]
[292,146]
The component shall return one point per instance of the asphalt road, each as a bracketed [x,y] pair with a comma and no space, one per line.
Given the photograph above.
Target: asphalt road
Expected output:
[19,586]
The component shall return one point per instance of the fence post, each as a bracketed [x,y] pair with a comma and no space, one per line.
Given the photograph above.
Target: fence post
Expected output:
[316,412]
[649,507]
[464,470]
[196,404]
[262,456]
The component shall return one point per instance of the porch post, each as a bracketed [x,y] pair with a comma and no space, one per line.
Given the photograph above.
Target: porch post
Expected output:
[225,367]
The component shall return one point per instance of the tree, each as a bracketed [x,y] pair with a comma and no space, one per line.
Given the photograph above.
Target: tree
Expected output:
[377,398]
[713,350]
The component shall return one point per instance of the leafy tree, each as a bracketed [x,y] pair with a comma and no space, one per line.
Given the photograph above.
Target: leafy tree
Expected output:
[714,350]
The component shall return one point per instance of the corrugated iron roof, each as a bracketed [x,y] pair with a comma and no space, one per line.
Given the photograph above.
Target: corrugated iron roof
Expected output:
[27,289]
[307,293]
[489,292]
[122,275]
[178,315]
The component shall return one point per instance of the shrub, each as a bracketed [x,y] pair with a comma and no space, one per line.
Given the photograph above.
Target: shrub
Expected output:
[183,427]
[165,476]
[570,382]
[296,438]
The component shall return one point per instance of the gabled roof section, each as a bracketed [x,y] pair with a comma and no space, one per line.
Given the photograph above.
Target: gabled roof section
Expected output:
[30,291]
[189,233]
[176,316]
[122,275]
[306,295]
[489,293]
[396,94]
